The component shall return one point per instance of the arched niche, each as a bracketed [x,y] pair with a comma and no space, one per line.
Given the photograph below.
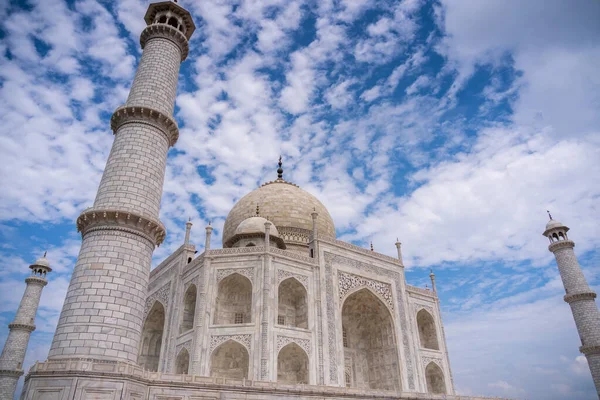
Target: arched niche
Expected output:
[234,301]
[182,363]
[230,360]
[292,310]
[152,335]
[292,365]
[370,346]
[189,309]
[427,330]
[435,379]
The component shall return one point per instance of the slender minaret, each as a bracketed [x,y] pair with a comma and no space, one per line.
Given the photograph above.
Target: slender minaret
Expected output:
[13,354]
[578,295]
[399,248]
[104,306]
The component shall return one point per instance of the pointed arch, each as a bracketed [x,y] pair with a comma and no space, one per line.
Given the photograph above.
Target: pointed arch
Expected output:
[371,351]
[230,360]
[292,365]
[234,300]
[189,309]
[152,335]
[435,379]
[427,330]
[293,309]
[182,363]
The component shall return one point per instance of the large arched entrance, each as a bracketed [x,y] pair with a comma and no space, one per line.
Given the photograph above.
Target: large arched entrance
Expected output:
[427,331]
[369,343]
[152,334]
[234,301]
[229,360]
[292,365]
[435,379]
[292,304]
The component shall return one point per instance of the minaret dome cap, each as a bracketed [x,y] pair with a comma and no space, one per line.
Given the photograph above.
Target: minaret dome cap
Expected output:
[175,8]
[41,262]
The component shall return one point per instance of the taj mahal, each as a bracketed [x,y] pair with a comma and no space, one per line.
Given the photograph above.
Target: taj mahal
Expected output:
[283,310]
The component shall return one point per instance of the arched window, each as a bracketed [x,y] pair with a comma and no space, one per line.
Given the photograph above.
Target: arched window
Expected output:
[189,309]
[173,22]
[293,310]
[234,301]
[250,245]
[182,364]
[555,236]
[561,235]
[427,331]
[230,360]
[152,334]
[435,379]
[162,19]
[371,351]
[292,365]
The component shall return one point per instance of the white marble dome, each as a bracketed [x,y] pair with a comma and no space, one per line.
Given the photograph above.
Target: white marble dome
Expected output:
[255,225]
[287,206]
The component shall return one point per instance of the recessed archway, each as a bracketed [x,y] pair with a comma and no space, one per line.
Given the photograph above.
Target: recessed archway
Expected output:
[427,331]
[152,334]
[234,301]
[182,364]
[230,360]
[370,345]
[292,365]
[293,310]
[435,379]
[189,309]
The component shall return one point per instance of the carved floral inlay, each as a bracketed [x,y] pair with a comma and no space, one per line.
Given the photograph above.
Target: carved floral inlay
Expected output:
[282,274]
[347,282]
[187,345]
[426,360]
[217,340]
[247,272]
[161,295]
[283,341]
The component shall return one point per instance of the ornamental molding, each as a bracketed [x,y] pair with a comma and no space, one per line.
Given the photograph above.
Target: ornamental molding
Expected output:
[92,220]
[168,32]
[283,274]
[291,254]
[11,372]
[570,298]
[348,282]
[148,116]
[418,290]
[395,277]
[368,252]
[186,345]
[36,280]
[235,250]
[561,244]
[283,341]
[21,327]
[295,235]
[161,295]
[588,350]
[224,273]
[217,340]
[427,360]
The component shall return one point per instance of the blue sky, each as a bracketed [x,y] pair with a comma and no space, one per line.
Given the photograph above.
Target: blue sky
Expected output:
[452,125]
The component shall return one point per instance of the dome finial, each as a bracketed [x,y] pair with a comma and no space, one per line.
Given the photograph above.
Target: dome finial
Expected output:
[550,215]
[371,246]
[45,252]
[280,170]
[257,210]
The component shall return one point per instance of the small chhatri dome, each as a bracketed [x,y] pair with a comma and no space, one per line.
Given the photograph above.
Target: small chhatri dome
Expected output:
[41,263]
[255,225]
[553,224]
[287,206]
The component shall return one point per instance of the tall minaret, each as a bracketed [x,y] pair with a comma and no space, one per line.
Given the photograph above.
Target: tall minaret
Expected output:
[13,354]
[578,294]
[104,307]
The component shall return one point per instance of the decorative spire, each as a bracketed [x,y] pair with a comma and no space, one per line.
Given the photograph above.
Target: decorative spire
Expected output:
[280,169]
[550,215]
[257,210]
[372,246]
[45,253]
